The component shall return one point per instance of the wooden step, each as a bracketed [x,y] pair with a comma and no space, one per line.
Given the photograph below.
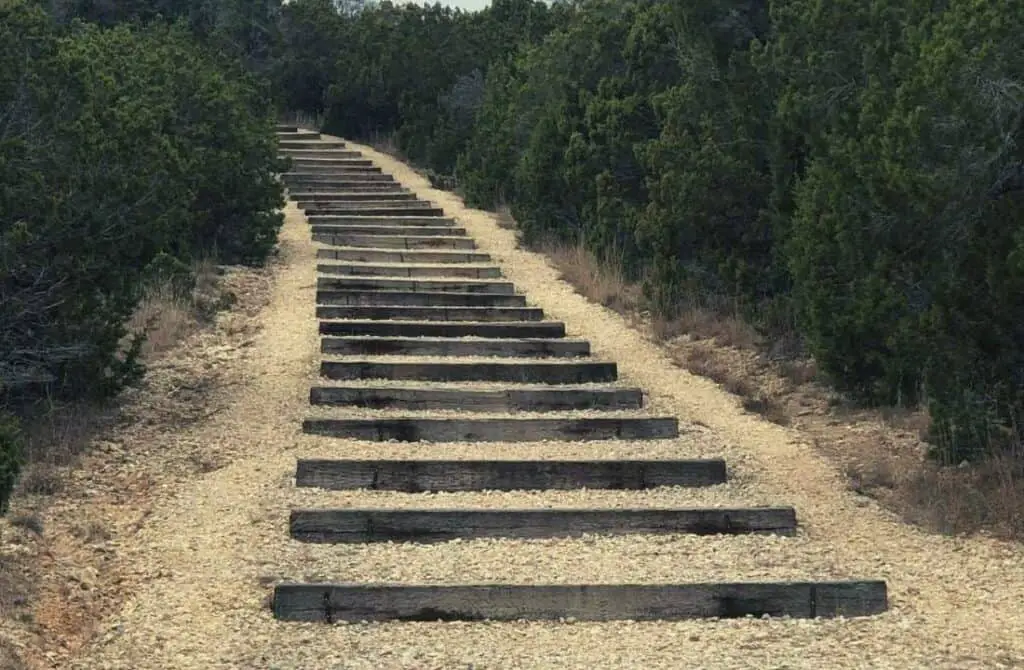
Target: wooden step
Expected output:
[377,187]
[305,170]
[491,475]
[478,400]
[383,209]
[394,241]
[582,602]
[414,299]
[348,526]
[534,372]
[339,177]
[391,312]
[388,229]
[285,128]
[328,162]
[409,429]
[415,285]
[317,150]
[343,207]
[307,135]
[393,256]
[486,329]
[407,270]
[331,221]
[348,195]
[454,346]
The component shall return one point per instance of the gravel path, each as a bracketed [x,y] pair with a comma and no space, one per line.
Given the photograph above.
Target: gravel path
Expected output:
[213,549]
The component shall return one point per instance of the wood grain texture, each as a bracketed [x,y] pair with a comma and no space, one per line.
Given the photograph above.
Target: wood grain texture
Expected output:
[394,241]
[427,285]
[411,270]
[495,430]
[355,526]
[487,329]
[338,219]
[424,299]
[536,372]
[583,602]
[478,400]
[495,475]
[385,312]
[454,346]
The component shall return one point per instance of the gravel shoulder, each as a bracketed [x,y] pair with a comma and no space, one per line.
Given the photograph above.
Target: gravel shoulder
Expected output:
[210,549]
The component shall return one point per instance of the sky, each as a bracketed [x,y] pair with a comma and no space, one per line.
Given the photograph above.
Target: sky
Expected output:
[466,4]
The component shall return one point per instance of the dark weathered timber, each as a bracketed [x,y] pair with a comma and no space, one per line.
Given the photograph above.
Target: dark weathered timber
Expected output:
[583,602]
[412,284]
[394,256]
[389,312]
[412,299]
[478,400]
[344,195]
[337,171]
[307,135]
[492,475]
[538,372]
[389,229]
[367,209]
[346,526]
[332,221]
[395,241]
[313,180]
[408,270]
[343,206]
[454,346]
[301,149]
[328,162]
[490,329]
[495,430]
[285,128]
[344,183]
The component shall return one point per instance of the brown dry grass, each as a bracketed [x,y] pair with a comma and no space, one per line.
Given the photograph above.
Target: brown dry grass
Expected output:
[50,556]
[881,451]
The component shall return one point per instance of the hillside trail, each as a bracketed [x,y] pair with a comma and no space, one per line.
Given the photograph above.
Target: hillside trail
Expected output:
[211,550]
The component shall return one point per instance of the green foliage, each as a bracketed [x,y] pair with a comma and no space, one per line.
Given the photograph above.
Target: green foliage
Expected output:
[125,152]
[10,457]
[852,170]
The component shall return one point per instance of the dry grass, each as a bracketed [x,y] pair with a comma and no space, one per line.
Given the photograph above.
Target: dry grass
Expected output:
[600,282]
[881,451]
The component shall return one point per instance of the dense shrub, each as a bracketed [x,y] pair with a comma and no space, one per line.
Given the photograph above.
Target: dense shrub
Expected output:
[850,170]
[119,148]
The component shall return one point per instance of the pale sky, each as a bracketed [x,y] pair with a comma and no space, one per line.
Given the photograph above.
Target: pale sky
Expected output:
[465,4]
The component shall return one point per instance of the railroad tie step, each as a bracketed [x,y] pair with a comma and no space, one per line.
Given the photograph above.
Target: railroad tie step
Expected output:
[349,195]
[380,209]
[338,178]
[525,372]
[395,241]
[410,270]
[422,526]
[369,201]
[478,400]
[387,229]
[455,285]
[321,149]
[424,299]
[400,312]
[484,329]
[438,476]
[496,429]
[453,346]
[326,602]
[331,222]
[328,161]
[304,135]
[286,128]
[307,169]
[398,256]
